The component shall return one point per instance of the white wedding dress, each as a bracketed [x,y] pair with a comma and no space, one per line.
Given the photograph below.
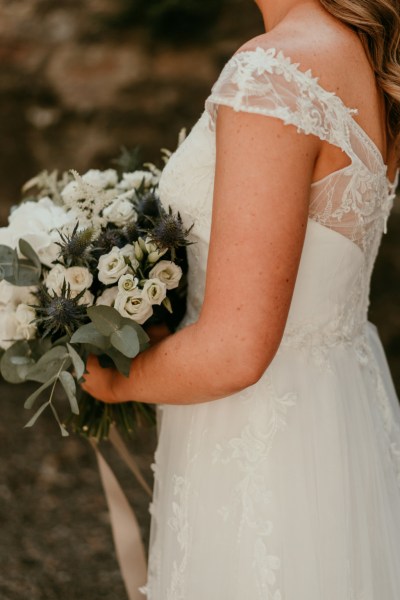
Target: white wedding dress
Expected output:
[289,490]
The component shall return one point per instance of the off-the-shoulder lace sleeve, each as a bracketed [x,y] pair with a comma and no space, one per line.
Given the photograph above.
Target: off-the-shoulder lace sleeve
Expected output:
[268,83]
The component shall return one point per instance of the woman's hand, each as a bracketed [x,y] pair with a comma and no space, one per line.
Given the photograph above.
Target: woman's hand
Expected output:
[98,381]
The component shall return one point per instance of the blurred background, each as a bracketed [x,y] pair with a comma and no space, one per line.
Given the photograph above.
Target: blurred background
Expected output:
[78,80]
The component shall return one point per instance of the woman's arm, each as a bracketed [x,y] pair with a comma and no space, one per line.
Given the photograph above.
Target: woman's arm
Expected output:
[261,199]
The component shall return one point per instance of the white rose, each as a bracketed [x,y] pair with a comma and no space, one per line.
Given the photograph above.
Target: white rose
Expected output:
[48,254]
[101,179]
[137,179]
[16,294]
[8,293]
[128,252]
[25,294]
[168,272]
[154,290]
[127,283]
[134,306]
[25,316]
[55,279]
[8,327]
[112,266]
[120,212]
[107,298]
[87,298]
[79,278]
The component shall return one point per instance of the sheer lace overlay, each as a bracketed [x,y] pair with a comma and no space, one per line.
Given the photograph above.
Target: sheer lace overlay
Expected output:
[289,490]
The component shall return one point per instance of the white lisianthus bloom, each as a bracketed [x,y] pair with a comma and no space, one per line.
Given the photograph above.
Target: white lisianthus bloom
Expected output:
[127,283]
[79,278]
[112,266]
[136,179]
[154,252]
[8,327]
[120,212]
[168,272]
[25,316]
[55,279]
[107,298]
[128,252]
[87,298]
[154,290]
[138,251]
[134,306]
[101,179]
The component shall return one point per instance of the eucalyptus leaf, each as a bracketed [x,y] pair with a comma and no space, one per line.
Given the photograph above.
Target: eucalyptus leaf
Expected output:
[7,257]
[20,360]
[105,318]
[122,363]
[68,383]
[20,272]
[88,334]
[27,250]
[63,430]
[37,414]
[50,364]
[25,274]
[144,339]
[29,402]
[11,369]
[78,363]
[126,340]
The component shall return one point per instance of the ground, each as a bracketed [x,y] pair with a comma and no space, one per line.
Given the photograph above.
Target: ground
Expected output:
[56,541]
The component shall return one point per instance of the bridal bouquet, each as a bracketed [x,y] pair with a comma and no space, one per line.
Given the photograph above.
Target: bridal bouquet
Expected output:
[85,262]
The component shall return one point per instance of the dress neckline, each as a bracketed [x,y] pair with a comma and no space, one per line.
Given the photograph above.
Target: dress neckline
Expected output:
[314,81]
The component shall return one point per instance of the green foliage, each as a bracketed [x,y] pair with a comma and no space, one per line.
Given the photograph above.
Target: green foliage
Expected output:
[20,271]
[129,160]
[110,334]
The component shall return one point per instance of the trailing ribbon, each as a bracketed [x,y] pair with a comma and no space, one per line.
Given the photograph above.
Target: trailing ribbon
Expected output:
[126,533]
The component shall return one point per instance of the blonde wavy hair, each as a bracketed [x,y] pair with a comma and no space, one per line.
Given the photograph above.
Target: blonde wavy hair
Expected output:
[377,23]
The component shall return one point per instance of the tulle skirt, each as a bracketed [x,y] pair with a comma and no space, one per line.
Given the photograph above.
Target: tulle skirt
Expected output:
[289,490]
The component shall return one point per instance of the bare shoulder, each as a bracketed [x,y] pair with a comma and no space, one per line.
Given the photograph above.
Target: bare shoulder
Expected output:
[332,51]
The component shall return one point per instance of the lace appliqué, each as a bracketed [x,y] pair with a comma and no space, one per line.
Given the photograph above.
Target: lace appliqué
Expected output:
[251,499]
[267,82]
[179,523]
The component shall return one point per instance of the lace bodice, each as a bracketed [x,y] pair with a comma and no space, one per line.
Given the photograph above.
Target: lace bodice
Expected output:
[348,209]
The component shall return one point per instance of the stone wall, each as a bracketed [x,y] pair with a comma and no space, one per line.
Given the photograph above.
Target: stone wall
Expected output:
[76,84]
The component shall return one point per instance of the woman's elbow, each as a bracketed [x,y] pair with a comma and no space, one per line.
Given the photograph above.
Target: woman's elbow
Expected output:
[246,367]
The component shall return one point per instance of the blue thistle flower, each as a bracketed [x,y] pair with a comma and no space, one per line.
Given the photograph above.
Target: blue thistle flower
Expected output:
[58,315]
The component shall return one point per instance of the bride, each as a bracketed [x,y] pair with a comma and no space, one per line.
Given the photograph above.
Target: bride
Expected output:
[277,471]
